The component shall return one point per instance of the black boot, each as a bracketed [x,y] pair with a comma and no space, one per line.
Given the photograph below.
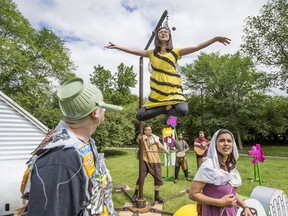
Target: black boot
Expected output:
[176,173]
[158,198]
[186,175]
[134,196]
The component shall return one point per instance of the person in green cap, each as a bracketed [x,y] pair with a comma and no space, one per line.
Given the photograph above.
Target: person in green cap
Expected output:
[67,176]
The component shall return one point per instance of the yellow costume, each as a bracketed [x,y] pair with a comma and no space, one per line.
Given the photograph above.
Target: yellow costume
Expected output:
[165,82]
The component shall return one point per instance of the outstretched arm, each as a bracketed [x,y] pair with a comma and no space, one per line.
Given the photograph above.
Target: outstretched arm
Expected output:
[143,53]
[189,50]
[161,146]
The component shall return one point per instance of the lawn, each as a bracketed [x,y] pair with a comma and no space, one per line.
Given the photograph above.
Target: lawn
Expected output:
[123,167]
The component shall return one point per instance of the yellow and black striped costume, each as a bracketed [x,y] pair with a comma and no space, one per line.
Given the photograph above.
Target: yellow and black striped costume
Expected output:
[165,82]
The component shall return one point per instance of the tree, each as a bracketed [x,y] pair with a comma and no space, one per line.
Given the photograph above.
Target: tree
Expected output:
[103,79]
[32,62]
[119,128]
[274,120]
[266,39]
[230,83]
[124,79]
[115,88]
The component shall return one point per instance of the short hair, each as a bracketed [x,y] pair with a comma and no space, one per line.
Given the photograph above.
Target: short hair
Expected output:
[146,126]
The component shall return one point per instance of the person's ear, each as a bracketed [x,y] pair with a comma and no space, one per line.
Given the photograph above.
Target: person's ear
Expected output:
[95,113]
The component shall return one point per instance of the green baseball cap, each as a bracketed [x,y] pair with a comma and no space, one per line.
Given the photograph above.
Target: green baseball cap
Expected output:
[78,99]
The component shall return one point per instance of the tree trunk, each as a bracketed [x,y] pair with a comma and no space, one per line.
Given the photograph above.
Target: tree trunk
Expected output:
[239,140]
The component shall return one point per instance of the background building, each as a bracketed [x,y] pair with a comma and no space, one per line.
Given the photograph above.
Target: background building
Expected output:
[20,134]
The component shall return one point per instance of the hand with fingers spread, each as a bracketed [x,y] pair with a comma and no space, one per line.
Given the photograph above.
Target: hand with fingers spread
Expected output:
[223,40]
[111,46]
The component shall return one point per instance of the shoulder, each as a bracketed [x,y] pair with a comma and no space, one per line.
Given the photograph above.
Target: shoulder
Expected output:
[176,142]
[60,156]
[177,51]
[205,173]
[157,139]
[155,136]
[207,167]
[207,163]
[150,52]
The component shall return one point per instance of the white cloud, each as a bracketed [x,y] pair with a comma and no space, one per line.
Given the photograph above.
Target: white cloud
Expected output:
[97,22]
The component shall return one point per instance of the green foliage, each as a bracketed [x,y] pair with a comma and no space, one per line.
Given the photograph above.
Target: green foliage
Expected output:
[124,78]
[266,39]
[234,96]
[230,83]
[119,128]
[115,88]
[269,121]
[102,78]
[32,62]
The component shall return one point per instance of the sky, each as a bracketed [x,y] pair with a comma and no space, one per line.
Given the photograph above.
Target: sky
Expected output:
[87,26]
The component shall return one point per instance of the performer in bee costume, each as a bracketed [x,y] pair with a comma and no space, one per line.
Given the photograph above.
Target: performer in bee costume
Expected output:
[166,91]
[66,175]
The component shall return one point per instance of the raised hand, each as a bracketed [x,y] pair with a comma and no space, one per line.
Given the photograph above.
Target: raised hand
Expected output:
[111,46]
[223,40]
[139,137]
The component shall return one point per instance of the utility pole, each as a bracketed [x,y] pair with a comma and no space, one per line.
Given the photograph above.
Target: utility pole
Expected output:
[201,82]
[140,201]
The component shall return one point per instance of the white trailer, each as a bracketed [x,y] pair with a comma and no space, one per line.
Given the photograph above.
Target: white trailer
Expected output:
[20,134]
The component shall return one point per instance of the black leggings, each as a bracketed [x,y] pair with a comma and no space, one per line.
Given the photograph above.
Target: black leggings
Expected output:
[177,110]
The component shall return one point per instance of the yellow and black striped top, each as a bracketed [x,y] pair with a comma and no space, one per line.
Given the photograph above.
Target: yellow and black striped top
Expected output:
[165,82]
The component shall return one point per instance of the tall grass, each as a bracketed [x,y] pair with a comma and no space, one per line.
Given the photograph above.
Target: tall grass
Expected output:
[123,167]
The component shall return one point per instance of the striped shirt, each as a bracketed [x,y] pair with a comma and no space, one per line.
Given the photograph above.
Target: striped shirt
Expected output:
[165,82]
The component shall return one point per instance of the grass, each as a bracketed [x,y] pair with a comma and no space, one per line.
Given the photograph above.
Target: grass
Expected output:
[123,167]
[279,151]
